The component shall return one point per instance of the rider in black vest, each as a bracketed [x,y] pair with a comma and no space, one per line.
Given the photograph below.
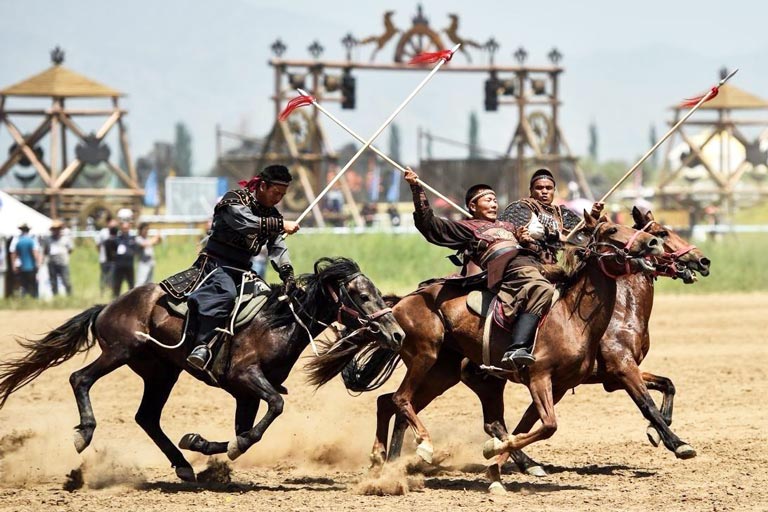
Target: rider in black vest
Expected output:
[244,221]
[547,224]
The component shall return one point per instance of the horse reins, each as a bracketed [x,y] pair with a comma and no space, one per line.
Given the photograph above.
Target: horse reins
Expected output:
[366,320]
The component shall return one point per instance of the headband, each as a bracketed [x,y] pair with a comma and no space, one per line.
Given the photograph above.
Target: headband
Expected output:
[481,194]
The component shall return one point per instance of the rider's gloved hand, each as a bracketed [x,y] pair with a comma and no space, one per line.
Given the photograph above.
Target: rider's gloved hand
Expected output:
[287,277]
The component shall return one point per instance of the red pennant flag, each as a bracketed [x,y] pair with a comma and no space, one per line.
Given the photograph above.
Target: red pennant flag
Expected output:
[690,102]
[297,102]
[431,57]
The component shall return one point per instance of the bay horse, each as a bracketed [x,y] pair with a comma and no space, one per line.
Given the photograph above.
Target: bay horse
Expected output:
[622,348]
[260,355]
[436,317]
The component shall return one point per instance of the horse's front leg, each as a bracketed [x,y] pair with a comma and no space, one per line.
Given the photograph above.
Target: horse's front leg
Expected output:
[245,415]
[417,370]
[633,382]
[667,389]
[254,381]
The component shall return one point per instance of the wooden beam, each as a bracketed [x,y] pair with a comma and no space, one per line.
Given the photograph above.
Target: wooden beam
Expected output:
[76,164]
[124,142]
[65,111]
[16,134]
[69,123]
[38,134]
[672,175]
[405,67]
[117,192]
[124,177]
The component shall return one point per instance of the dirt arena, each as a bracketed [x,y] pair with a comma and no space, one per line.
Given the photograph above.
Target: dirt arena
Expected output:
[315,455]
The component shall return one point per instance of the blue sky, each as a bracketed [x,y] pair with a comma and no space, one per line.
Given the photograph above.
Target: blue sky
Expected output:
[205,62]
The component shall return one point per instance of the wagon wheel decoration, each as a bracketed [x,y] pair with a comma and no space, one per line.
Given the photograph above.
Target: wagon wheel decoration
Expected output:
[295,200]
[302,127]
[419,39]
[542,128]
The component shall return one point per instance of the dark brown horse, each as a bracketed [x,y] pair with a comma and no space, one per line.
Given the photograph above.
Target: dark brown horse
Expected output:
[622,348]
[261,354]
[437,318]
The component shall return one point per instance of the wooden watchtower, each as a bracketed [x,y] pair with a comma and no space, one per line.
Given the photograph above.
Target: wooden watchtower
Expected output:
[729,150]
[73,175]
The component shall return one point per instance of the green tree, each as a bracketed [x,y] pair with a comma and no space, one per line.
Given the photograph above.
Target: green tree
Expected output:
[593,141]
[182,150]
[474,136]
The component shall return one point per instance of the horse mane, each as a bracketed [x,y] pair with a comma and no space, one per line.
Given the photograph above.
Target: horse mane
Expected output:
[310,294]
[573,264]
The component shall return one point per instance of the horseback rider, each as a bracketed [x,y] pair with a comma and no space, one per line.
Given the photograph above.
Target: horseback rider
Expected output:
[497,247]
[536,219]
[244,220]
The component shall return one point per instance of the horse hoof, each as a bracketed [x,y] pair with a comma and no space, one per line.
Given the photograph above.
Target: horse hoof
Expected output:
[186,474]
[653,435]
[492,447]
[536,471]
[425,451]
[233,450]
[377,460]
[81,443]
[188,440]
[685,451]
[497,488]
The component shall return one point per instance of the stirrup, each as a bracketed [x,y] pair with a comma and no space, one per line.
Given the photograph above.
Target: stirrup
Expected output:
[519,358]
[199,357]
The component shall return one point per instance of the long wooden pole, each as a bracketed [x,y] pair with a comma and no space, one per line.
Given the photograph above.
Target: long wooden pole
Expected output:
[659,143]
[382,154]
[373,137]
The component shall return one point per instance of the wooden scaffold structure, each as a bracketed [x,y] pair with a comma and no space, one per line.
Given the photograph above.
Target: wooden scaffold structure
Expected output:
[58,186]
[710,168]
[301,142]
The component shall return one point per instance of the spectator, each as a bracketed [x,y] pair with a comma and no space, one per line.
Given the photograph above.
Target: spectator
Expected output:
[145,245]
[3,266]
[110,230]
[25,255]
[394,215]
[369,214]
[57,248]
[125,249]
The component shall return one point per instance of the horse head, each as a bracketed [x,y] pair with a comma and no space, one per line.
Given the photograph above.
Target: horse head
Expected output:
[358,303]
[680,258]
[617,248]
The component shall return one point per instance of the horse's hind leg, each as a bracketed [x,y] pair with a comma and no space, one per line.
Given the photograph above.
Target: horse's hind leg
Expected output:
[81,382]
[443,375]
[253,380]
[159,380]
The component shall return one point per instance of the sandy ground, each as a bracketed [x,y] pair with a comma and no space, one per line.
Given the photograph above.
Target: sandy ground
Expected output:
[315,455]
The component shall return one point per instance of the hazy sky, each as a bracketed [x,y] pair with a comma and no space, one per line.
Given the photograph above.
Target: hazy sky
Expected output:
[205,62]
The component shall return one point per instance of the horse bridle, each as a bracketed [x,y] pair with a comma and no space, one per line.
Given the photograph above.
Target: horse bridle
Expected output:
[621,255]
[356,312]
[669,260]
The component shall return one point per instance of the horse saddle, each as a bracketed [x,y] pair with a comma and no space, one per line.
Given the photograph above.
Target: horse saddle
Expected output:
[251,297]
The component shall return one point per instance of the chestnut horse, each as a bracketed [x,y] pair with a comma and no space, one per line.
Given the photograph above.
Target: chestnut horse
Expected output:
[622,348]
[437,318]
[260,355]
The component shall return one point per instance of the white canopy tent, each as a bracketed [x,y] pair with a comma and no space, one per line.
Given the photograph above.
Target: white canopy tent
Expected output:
[14,213]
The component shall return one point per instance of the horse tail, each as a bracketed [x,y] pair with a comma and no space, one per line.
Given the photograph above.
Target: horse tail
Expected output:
[369,369]
[57,346]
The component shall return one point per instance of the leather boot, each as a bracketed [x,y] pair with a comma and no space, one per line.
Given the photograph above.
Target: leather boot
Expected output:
[518,352]
[201,354]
